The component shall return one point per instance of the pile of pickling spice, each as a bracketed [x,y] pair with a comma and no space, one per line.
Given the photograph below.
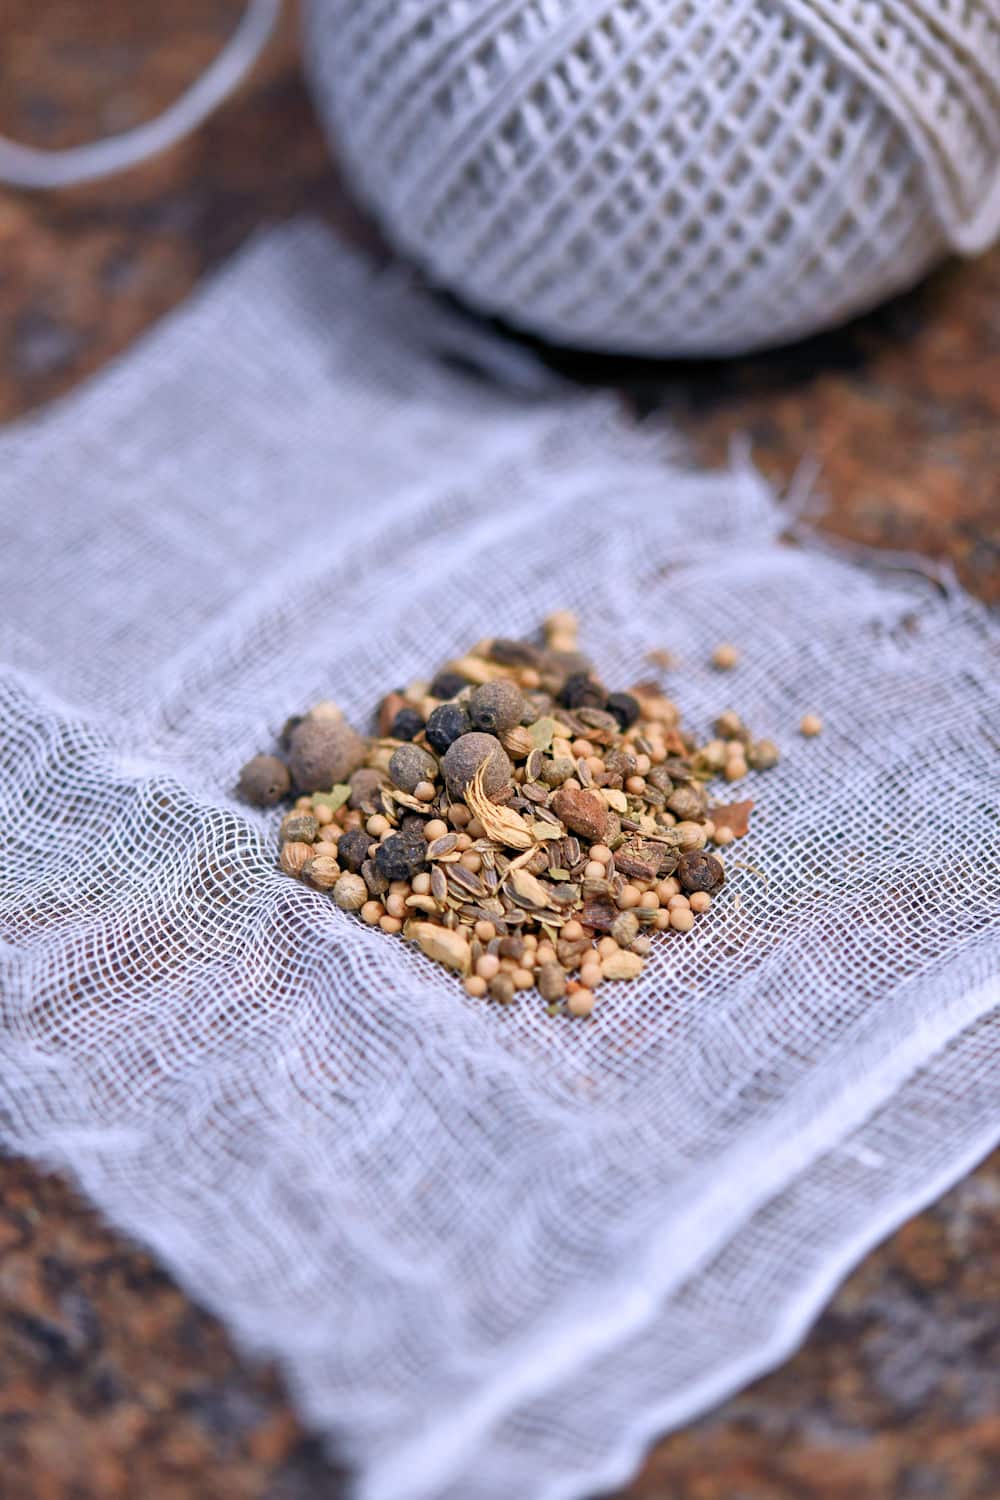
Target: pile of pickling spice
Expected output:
[517,821]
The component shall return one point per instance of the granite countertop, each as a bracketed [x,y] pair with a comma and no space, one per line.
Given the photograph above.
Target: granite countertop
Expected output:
[112,1384]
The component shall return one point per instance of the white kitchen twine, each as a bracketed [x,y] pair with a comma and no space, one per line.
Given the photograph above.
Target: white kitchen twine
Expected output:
[494,1253]
[668,176]
[646,176]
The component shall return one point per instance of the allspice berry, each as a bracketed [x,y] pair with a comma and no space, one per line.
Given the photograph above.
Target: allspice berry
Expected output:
[496,707]
[350,892]
[698,871]
[323,752]
[464,759]
[264,780]
[410,765]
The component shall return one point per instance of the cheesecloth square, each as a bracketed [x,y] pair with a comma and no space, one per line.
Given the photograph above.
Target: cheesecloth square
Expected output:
[494,1253]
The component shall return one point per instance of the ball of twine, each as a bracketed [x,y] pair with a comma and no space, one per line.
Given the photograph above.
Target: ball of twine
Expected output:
[668,176]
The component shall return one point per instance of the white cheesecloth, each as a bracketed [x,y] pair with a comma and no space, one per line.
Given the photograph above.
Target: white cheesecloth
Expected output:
[494,1253]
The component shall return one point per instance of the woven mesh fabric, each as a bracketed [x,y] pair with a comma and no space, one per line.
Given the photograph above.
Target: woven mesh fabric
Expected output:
[494,1252]
[668,176]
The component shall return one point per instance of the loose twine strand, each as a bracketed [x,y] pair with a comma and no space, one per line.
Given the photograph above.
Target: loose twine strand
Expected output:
[35,167]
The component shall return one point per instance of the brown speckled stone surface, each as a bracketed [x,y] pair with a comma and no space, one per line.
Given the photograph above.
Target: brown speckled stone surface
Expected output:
[112,1385]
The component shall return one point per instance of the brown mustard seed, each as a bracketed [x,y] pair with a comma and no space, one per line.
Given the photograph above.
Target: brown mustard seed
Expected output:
[502,988]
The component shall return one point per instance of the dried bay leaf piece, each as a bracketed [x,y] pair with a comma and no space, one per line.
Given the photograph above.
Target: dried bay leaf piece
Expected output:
[734,815]
[542,732]
[334,799]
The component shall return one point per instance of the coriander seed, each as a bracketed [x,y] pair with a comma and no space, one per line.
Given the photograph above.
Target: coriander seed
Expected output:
[763,755]
[350,892]
[294,856]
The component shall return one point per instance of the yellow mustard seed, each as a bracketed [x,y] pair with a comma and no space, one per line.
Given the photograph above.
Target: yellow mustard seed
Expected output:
[581,1003]
[725,657]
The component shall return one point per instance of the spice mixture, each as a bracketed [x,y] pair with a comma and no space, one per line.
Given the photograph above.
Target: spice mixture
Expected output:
[521,824]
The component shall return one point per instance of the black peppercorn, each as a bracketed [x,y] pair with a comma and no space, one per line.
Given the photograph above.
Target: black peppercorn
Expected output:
[412,823]
[352,849]
[511,653]
[406,725]
[625,709]
[401,856]
[581,691]
[447,723]
[698,871]
[447,685]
